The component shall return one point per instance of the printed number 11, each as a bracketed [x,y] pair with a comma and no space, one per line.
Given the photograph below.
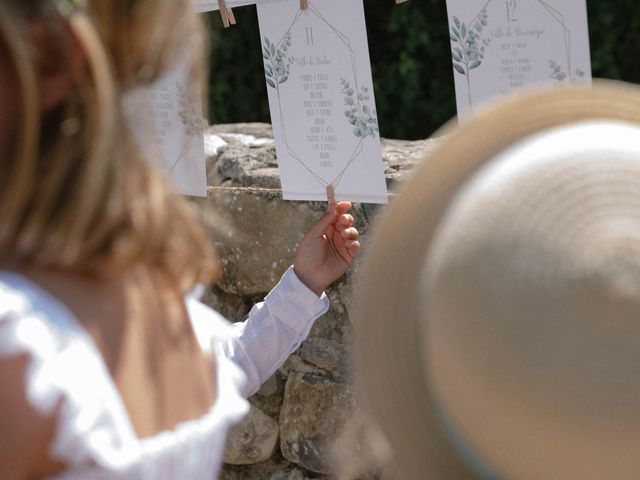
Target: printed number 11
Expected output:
[511,10]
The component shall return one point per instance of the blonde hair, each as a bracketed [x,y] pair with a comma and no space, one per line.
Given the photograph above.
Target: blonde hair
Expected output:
[86,200]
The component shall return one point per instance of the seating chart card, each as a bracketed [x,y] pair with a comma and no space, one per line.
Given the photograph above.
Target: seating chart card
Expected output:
[323,112]
[499,46]
[167,122]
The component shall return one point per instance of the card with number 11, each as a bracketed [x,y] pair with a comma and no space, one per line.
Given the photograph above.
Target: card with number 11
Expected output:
[323,111]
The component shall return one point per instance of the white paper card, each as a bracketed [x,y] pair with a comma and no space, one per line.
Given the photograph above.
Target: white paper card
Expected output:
[499,46]
[321,98]
[167,122]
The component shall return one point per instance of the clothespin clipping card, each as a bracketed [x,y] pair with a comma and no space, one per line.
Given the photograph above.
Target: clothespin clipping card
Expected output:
[228,18]
[331,198]
[304,4]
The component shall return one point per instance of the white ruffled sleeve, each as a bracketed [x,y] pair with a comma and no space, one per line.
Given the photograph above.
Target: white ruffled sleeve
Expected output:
[274,330]
[64,376]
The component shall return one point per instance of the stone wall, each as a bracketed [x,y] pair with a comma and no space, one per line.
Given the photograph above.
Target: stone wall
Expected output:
[298,412]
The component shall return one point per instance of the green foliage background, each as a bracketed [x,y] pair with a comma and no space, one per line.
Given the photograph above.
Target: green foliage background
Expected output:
[411,62]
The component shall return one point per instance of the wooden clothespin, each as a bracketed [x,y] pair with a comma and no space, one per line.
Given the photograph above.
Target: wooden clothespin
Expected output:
[331,198]
[401,1]
[304,4]
[228,18]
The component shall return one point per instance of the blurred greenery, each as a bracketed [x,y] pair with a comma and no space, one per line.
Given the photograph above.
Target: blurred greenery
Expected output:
[411,62]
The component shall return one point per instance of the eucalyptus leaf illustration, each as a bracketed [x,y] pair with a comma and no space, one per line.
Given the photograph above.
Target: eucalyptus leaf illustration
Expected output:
[190,118]
[459,69]
[277,65]
[359,112]
[468,45]
[557,72]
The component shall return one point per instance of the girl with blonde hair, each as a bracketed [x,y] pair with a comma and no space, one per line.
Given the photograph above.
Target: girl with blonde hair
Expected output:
[106,364]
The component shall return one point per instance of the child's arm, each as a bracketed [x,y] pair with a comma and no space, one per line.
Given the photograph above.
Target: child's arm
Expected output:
[276,327]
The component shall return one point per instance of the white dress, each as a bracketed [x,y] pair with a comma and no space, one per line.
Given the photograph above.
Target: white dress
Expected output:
[94,435]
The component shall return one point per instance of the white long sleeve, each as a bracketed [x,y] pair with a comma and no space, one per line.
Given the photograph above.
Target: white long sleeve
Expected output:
[274,329]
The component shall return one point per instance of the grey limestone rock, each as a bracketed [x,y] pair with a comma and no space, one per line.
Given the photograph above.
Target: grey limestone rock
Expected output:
[260,471]
[313,412]
[400,156]
[240,164]
[256,129]
[328,356]
[234,308]
[253,440]
[256,236]
[294,474]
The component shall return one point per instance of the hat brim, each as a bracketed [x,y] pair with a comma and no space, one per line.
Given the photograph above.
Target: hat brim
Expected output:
[389,355]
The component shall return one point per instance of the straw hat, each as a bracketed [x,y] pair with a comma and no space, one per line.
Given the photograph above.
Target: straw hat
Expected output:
[498,333]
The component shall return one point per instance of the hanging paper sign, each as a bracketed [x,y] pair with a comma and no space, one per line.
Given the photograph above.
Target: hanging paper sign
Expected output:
[166,119]
[323,111]
[499,46]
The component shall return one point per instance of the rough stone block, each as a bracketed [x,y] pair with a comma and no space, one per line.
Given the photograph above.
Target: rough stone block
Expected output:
[313,411]
[331,357]
[256,236]
[254,440]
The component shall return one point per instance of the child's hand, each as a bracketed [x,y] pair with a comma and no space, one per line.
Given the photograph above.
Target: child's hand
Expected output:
[328,249]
